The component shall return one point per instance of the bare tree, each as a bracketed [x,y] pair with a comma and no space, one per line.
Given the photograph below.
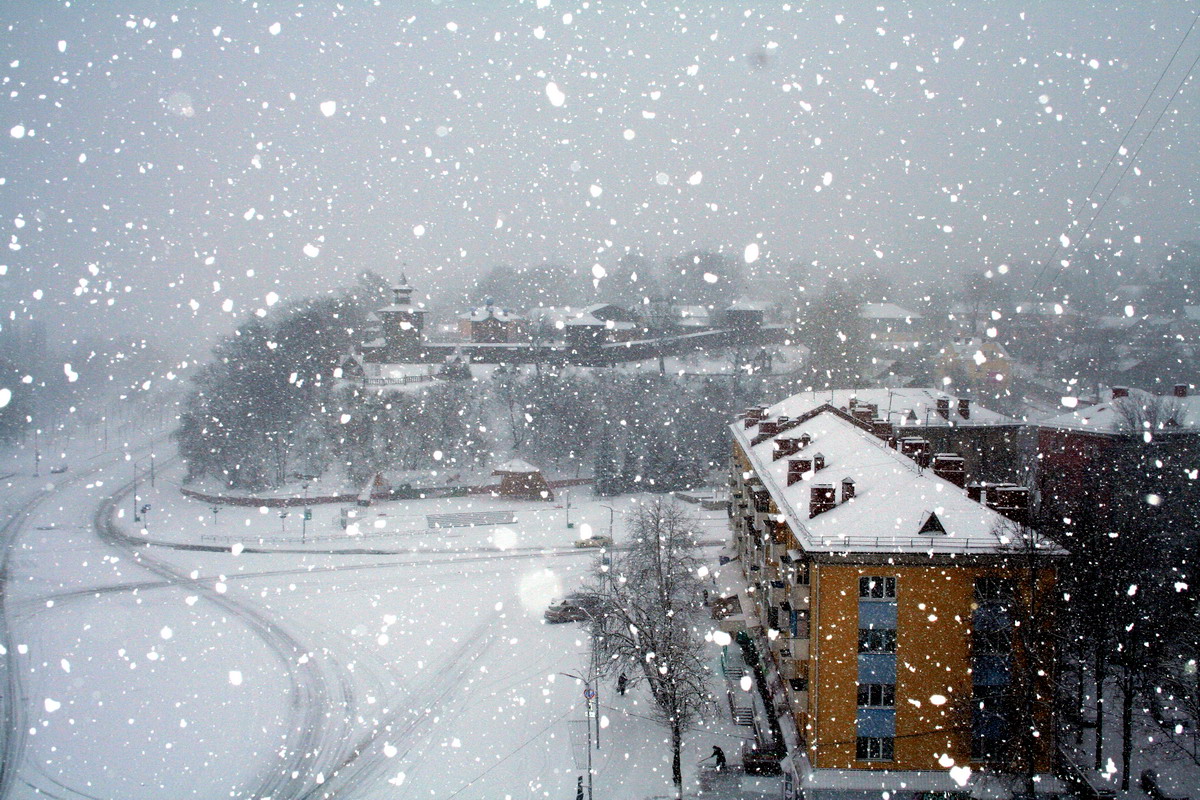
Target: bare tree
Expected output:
[651,620]
[1148,413]
[1028,599]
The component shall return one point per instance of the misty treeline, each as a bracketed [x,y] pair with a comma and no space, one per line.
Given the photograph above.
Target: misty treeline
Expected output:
[48,381]
[269,409]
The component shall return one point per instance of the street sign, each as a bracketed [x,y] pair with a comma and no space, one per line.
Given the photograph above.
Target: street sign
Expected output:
[589,693]
[308,513]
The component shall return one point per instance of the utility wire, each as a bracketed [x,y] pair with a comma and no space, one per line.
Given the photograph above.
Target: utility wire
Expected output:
[1117,151]
[525,744]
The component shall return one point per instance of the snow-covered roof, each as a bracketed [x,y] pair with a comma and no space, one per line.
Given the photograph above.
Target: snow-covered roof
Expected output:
[893,498]
[746,304]
[396,371]
[968,346]
[886,311]
[1114,416]
[1044,309]
[1191,313]
[901,406]
[586,319]
[692,312]
[516,465]
[492,312]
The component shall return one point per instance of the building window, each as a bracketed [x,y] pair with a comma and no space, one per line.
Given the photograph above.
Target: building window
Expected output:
[876,695]
[875,748]
[876,640]
[876,588]
[989,724]
[992,589]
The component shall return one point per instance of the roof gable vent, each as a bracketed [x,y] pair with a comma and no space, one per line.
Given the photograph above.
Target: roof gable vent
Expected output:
[932,525]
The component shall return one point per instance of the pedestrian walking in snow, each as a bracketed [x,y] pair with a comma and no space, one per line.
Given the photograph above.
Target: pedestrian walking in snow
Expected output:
[718,756]
[622,683]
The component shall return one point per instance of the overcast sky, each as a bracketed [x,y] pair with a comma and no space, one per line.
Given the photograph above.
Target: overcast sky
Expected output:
[185,162]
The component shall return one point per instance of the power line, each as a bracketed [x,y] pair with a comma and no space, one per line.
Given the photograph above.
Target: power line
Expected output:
[1120,146]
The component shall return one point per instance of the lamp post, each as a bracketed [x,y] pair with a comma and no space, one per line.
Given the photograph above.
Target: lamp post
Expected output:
[37,453]
[610,519]
[304,517]
[306,479]
[136,462]
[588,696]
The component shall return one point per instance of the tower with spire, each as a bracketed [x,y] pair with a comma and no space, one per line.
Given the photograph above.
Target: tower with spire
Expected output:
[401,325]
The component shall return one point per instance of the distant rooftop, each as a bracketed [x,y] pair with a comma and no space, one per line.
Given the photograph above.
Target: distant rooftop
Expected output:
[886,311]
[900,406]
[1115,415]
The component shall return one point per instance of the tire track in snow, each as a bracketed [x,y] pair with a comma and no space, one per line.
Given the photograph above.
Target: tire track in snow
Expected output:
[13,730]
[369,756]
[300,754]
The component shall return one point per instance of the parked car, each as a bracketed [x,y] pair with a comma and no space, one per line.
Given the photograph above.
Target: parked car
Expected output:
[575,607]
[60,469]
[594,541]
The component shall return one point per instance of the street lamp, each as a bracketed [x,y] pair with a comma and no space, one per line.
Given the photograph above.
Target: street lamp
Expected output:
[610,519]
[136,517]
[306,479]
[589,695]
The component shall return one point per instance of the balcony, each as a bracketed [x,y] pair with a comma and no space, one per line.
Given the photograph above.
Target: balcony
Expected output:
[800,596]
[791,649]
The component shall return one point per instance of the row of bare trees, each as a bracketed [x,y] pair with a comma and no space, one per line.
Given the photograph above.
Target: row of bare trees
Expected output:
[1129,631]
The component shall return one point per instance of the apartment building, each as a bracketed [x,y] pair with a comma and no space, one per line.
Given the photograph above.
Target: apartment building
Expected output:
[897,617]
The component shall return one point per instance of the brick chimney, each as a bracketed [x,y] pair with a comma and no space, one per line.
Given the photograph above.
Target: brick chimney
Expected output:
[797,467]
[847,488]
[785,447]
[1181,390]
[975,492]
[768,427]
[862,414]
[805,440]
[822,498]
[818,462]
[916,448]
[1010,500]
[943,407]
[882,428]
[754,415]
[1120,391]
[964,407]
[950,467]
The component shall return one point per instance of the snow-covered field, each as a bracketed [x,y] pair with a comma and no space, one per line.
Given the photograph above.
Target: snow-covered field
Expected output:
[308,671]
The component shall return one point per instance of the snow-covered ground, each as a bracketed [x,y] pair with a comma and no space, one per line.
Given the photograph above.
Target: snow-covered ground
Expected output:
[425,671]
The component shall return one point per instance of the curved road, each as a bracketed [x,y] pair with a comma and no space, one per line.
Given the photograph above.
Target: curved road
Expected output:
[303,753]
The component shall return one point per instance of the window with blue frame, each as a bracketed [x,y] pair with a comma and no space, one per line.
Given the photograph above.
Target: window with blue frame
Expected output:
[876,641]
[876,695]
